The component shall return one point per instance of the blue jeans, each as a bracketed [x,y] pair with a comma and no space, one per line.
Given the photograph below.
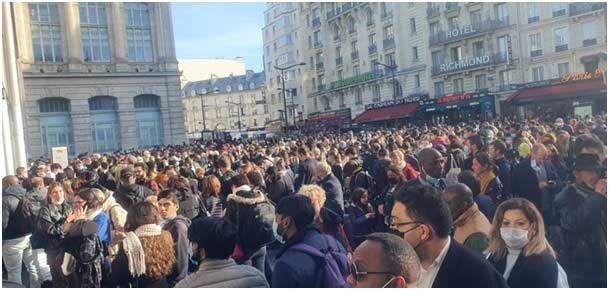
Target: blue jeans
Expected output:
[14,253]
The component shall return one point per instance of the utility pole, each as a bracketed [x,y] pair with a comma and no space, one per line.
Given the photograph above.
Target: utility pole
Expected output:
[239,105]
[202,110]
[392,69]
[285,100]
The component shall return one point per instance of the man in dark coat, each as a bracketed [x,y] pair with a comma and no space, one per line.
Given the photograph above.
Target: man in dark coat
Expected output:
[307,168]
[225,174]
[534,175]
[330,184]
[497,152]
[379,171]
[424,220]
[130,193]
[580,236]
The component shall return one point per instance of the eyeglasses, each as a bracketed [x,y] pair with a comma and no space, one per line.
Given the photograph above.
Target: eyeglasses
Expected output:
[360,275]
[390,222]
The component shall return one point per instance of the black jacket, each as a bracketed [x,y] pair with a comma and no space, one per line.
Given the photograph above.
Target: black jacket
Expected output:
[463,268]
[580,237]
[379,173]
[281,186]
[306,173]
[495,191]
[178,228]
[535,271]
[333,189]
[128,196]
[254,217]
[225,189]
[360,225]
[525,183]
[337,170]
[50,225]
[11,228]
[504,172]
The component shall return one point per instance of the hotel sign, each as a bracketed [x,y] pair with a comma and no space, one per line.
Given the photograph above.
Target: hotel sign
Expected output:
[465,63]
[573,77]
[465,30]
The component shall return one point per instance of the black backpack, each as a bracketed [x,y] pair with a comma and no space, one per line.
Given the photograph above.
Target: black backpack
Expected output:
[27,212]
[190,204]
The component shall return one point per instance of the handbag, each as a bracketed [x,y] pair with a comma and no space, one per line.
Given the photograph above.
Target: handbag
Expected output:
[452,177]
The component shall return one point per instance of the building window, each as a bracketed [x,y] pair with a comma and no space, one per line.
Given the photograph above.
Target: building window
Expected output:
[476,19]
[559,9]
[315,104]
[376,93]
[356,70]
[563,69]
[94,31]
[438,89]
[455,53]
[504,79]
[437,58]
[105,131]
[339,74]
[341,100]
[478,47]
[317,38]
[139,36]
[336,30]
[533,12]
[480,82]
[369,17]
[358,96]
[561,39]
[453,23]
[457,86]
[413,26]
[351,23]
[434,28]
[417,81]
[388,32]
[372,39]
[537,73]
[535,44]
[415,53]
[589,33]
[316,14]
[46,32]
[501,13]
[55,124]
[386,8]
[390,59]
[502,46]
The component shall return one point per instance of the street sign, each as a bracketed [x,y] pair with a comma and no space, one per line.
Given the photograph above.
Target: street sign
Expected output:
[60,155]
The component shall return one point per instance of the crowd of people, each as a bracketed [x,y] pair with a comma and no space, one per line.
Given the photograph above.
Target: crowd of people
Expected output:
[499,203]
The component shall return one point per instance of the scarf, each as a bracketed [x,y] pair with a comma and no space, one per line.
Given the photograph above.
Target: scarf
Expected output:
[485,180]
[134,250]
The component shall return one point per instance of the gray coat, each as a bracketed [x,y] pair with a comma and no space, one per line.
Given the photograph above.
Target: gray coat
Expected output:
[224,274]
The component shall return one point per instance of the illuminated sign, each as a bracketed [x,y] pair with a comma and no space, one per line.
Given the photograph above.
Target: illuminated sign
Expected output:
[573,77]
[465,63]
[454,98]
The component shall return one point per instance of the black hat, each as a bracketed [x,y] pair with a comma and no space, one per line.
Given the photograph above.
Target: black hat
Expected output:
[587,162]
[127,172]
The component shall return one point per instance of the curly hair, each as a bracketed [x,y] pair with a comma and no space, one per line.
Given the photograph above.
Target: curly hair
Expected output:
[160,256]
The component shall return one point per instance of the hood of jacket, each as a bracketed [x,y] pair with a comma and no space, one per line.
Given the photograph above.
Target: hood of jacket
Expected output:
[16,189]
[178,219]
[247,197]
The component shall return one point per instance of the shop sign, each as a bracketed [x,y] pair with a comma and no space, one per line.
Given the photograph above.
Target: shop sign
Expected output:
[573,77]
[454,98]
[465,30]
[465,63]
[389,103]
[352,80]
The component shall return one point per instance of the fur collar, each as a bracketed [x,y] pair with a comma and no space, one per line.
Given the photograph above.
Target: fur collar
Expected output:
[257,197]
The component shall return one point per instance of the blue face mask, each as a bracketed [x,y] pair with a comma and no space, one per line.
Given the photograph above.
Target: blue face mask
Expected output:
[278,233]
[466,150]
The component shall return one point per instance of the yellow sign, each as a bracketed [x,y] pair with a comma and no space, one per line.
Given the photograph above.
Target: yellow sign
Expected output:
[599,73]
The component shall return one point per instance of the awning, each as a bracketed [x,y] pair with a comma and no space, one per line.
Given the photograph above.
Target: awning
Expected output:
[387,113]
[593,57]
[558,91]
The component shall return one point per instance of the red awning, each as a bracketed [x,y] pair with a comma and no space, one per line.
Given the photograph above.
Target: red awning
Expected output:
[564,90]
[387,113]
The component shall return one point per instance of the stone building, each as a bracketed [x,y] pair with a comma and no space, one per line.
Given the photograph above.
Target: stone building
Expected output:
[203,68]
[98,77]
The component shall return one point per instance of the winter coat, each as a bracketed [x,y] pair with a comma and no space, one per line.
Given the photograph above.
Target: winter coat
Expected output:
[241,207]
[534,271]
[525,183]
[281,186]
[333,189]
[149,183]
[486,205]
[12,228]
[580,235]
[128,196]
[295,269]
[51,220]
[504,171]
[379,173]
[225,189]
[469,224]
[83,243]
[224,274]
[178,228]
[306,173]
[495,191]
[337,170]
[360,225]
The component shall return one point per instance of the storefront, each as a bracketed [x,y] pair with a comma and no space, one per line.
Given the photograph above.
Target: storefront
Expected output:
[392,113]
[453,109]
[331,120]
[576,94]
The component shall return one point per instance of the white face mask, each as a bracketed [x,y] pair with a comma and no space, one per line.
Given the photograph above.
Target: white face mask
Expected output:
[514,238]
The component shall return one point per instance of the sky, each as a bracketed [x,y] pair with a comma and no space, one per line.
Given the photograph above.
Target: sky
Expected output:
[220,30]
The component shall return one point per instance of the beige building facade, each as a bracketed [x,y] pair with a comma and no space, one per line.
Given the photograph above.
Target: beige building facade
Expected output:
[203,69]
[98,77]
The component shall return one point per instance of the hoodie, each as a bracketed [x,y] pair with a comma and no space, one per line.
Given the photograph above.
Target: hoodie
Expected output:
[12,229]
[178,227]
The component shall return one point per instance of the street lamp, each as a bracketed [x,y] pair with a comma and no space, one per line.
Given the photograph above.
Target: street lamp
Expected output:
[392,68]
[238,113]
[285,100]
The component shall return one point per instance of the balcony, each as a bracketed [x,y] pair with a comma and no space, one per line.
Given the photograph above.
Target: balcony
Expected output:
[318,44]
[581,8]
[339,61]
[388,43]
[354,80]
[354,56]
[536,53]
[433,11]
[321,88]
[319,66]
[467,31]
[372,49]
[533,19]
[561,47]
[316,22]
[559,13]
[589,42]
[468,63]
[341,10]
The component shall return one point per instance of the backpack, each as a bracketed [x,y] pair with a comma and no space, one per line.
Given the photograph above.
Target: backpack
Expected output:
[329,273]
[190,204]
[27,212]
[258,231]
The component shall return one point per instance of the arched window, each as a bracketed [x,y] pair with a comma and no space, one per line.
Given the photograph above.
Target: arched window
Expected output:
[351,24]
[228,88]
[252,86]
[369,17]
[240,87]
[55,124]
[148,120]
[105,129]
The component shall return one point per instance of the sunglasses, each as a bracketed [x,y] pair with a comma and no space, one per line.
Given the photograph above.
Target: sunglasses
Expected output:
[360,275]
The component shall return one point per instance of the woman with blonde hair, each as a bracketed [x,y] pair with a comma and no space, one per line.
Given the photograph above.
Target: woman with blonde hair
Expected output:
[518,247]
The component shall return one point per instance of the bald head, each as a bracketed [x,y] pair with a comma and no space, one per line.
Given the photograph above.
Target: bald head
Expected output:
[9,181]
[432,162]
[459,198]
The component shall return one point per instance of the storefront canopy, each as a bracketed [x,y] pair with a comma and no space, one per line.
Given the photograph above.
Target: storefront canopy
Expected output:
[387,113]
[559,91]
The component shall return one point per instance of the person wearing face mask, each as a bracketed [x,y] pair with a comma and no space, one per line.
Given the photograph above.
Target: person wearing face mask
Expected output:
[362,216]
[471,227]
[213,240]
[474,143]
[51,220]
[177,225]
[384,260]
[518,247]
[423,219]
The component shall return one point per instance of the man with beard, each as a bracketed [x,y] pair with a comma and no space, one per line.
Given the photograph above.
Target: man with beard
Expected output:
[140,169]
